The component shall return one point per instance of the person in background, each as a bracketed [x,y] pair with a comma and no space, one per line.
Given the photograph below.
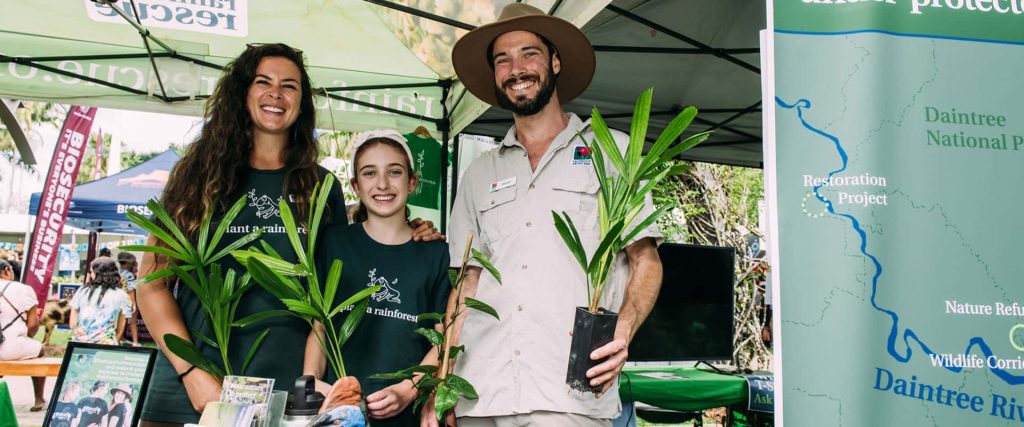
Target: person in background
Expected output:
[128,268]
[19,319]
[93,408]
[99,309]
[65,411]
[120,406]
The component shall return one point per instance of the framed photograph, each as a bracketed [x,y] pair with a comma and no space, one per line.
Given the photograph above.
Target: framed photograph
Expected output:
[100,386]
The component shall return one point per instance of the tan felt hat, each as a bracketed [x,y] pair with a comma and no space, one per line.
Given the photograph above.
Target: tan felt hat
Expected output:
[470,56]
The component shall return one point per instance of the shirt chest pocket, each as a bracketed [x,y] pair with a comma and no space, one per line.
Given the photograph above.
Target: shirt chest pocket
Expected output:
[578,198]
[496,211]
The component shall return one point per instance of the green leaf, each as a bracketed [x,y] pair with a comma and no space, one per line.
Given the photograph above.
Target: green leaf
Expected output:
[358,296]
[273,262]
[569,237]
[242,241]
[258,317]
[638,132]
[445,399]
[679,169]
[191,354]
[333,282]
[461,386]
[155,249]
[478,305]
[170,225]
[400,375]
[252,350]
[668,135]
[206,340]
[225,222]
[269,250]
[428,383]
[160,274]
[605,142]
[291,229]
[687,144]
[272,281]
[424,395]
[435,337]
[156,231]
[320,201]
[352,321]
[301,307]
[430,316]
[486,263]
[607,244]
[646,223]
[454,352]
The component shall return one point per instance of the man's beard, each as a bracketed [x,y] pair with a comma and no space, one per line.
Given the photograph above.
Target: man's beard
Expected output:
[527,107]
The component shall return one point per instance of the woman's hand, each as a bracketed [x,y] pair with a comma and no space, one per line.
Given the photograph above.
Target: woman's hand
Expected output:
[201,387]
[423,230]
[391,400]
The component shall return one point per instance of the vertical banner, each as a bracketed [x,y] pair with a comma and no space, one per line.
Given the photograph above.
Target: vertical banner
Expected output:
[897,168]
[56,199]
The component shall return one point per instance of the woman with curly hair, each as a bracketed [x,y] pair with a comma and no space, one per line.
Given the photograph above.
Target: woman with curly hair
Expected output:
[99,309]
[258,141]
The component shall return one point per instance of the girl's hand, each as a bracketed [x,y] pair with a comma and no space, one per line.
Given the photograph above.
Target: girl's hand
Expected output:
[424,231]
[202,388]
[391,400]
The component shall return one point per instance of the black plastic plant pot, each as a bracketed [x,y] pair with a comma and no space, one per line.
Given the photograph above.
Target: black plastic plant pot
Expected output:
[590,331]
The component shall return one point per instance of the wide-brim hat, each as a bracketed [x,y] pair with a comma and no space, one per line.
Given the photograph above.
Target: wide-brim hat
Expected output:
[470,55]
[123,388]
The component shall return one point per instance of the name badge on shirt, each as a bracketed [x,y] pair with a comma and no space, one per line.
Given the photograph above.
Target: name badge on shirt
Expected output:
[581,155]
[503,184]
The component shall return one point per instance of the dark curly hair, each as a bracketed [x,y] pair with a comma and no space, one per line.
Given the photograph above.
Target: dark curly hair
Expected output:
[105,277]
[211,168]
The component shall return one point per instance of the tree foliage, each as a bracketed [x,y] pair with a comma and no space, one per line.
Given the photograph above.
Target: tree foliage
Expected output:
[718,205]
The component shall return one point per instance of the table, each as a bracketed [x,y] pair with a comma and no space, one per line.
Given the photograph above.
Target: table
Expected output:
[684,389]
[38,367]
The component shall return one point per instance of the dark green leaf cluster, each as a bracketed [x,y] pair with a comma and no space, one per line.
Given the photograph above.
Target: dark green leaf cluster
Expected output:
[311,301]
[622,191]
[197,267]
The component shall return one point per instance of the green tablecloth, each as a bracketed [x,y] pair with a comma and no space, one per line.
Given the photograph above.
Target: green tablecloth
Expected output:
[7,416]
[684,389]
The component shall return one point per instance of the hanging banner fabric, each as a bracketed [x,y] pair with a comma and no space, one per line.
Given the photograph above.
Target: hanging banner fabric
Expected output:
[55,201]
[896,174]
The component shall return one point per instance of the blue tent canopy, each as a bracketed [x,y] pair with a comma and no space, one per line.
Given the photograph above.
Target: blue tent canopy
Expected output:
[101,204]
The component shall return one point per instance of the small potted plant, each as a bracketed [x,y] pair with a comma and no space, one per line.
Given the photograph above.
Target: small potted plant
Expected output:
[437,380]
[620,203]
[196,266]
[311,301]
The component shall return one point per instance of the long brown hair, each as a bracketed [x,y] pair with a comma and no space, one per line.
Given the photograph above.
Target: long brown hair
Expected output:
[211,168]
[361,214]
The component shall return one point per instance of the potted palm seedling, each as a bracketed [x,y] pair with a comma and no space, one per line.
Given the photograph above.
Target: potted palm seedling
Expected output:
[620,205]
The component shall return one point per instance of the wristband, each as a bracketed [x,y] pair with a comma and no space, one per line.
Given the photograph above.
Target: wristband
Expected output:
[181,376]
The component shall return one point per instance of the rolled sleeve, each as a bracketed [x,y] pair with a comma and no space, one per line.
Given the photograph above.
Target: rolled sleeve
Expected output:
[464,221]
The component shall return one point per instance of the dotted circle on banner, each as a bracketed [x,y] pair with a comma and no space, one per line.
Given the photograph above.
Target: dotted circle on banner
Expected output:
[803,206]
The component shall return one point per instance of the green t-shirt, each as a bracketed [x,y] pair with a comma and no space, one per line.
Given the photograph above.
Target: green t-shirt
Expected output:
[281,353]
[426,157]
[415,280]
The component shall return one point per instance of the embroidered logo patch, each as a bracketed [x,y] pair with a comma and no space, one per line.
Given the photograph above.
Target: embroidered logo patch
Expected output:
[581,155]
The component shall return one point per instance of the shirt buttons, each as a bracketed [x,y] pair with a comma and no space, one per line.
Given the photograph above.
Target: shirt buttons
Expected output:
[516,353]
[524,266]
[529,224]
[520,307]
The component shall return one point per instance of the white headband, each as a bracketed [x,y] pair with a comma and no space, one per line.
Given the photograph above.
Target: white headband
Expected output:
[386,134]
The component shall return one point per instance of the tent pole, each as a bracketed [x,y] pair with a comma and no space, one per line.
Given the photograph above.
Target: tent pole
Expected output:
[422,14]
[456,151]
[445,127]
[24,246]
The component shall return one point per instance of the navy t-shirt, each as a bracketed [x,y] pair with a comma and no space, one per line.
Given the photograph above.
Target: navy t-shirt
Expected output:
[414,280]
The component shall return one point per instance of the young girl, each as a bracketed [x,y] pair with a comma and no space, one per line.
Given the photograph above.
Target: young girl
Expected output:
[99,309]
[378,250]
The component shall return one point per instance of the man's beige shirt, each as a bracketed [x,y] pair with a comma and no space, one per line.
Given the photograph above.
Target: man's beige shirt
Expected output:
[518,364]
